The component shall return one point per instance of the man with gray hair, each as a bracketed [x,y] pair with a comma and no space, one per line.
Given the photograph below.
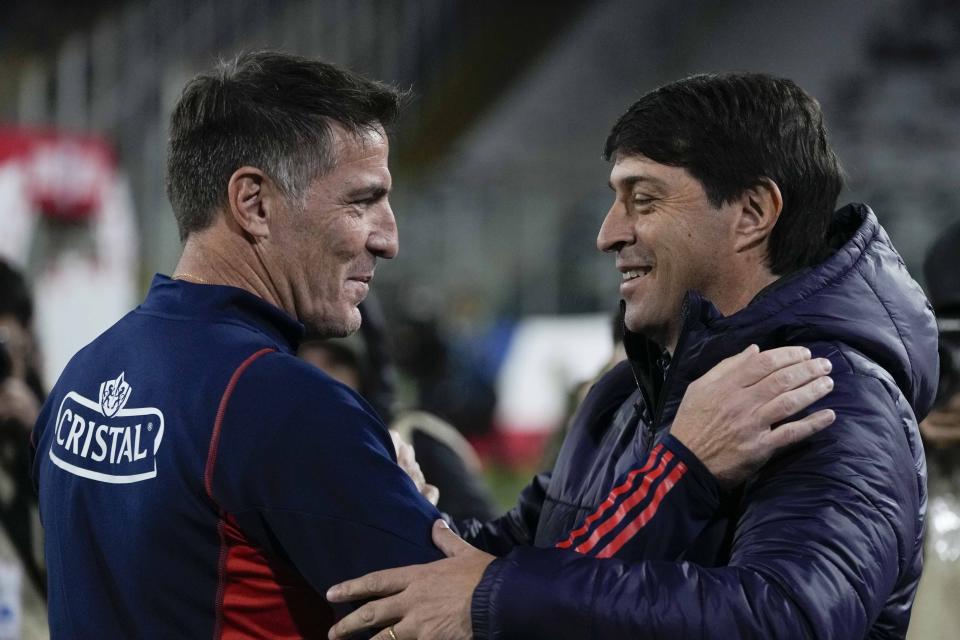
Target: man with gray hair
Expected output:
[196,478]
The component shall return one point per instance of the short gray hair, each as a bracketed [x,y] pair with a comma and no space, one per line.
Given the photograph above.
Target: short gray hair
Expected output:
[269,110]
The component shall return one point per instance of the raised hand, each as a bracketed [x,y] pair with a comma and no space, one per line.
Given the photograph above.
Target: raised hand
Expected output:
[729,418]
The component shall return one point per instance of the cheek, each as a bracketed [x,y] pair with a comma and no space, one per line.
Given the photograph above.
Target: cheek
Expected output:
[689,259]
[345,242]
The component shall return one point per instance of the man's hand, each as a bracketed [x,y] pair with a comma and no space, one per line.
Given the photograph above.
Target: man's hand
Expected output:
[18,404]
[407,459]
[942,426]
[426,602]
[727,417]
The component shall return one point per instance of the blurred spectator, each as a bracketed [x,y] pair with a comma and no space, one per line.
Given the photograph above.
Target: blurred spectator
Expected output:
[935,614]
[338,359]
[445,458]
[22,581]
[450,381]
[576,394]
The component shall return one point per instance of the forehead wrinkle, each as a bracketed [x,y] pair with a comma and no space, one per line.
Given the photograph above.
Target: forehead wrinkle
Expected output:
[348,147]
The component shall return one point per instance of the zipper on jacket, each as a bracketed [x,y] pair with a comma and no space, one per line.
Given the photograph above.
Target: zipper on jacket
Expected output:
[685,325]
[647,434]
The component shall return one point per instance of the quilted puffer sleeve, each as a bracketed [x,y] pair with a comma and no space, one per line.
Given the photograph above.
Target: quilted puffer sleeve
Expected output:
[824,533]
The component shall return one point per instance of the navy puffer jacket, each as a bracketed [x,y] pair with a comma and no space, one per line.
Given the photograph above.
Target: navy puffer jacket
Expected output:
[630,536]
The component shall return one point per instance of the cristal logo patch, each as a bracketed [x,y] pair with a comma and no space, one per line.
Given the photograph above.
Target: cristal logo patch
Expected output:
[113,396]
[104,440]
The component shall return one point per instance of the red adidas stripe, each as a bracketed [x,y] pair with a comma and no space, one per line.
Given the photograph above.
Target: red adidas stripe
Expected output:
[646,515]
[611,499]
[639,494]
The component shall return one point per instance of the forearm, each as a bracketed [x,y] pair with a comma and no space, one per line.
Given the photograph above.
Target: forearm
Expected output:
[548,594]
[811,558]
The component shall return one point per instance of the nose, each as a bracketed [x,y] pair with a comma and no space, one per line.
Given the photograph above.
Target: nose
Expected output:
[616,231]
[384,241]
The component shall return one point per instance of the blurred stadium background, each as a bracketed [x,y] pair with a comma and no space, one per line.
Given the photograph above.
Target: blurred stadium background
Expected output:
[499,184]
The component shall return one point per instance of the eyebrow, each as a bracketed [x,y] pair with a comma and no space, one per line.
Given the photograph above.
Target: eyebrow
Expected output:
[629,181]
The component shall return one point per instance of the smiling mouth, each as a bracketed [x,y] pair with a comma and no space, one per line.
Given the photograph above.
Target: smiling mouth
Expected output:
[632,274]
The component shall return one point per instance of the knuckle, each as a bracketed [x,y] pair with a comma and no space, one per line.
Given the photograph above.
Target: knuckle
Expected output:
[367,613]
[786,405]
[786,434]
[766,360]
[783,380]
[812,369]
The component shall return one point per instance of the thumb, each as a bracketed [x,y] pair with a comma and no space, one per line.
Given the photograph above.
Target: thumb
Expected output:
[447,541]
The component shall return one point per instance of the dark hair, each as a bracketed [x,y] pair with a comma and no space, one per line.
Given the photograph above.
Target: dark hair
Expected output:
[731,132]
[270,110]
[15,297]
[340,351]
[941,268]
[16,301]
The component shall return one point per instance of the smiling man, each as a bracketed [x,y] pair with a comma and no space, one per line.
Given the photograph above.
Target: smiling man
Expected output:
[724,233]
[669,240]
[196,478]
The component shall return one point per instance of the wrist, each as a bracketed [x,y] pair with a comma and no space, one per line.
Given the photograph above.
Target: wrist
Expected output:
[483,596]
[696,467]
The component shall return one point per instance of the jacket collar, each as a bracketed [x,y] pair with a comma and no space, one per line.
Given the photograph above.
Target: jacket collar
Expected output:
[178,298]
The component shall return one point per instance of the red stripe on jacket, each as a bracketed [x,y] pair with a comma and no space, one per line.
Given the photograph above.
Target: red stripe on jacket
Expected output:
[646,515]
[638,495]
[208,486]
[266,597]
[611,499]
[258,596]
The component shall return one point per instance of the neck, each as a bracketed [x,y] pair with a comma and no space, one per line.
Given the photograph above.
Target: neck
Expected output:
[211,257]
[729,299]
[739,297]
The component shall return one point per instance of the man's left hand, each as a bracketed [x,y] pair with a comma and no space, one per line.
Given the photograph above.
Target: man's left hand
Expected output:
[407,459]
[426,602]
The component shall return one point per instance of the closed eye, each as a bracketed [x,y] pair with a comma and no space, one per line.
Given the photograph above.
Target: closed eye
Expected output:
[642,201]
[368,197]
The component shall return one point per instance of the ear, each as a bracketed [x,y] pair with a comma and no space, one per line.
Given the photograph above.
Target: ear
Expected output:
[252,199]
[760,209]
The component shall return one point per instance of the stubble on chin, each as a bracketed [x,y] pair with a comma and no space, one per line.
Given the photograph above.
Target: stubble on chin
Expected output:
[658,332]
[325,327]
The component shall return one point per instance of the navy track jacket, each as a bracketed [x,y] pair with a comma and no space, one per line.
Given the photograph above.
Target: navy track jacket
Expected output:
[824,542]
[197,480]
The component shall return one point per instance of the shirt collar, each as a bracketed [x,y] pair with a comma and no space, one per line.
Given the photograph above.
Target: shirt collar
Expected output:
[186,299]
